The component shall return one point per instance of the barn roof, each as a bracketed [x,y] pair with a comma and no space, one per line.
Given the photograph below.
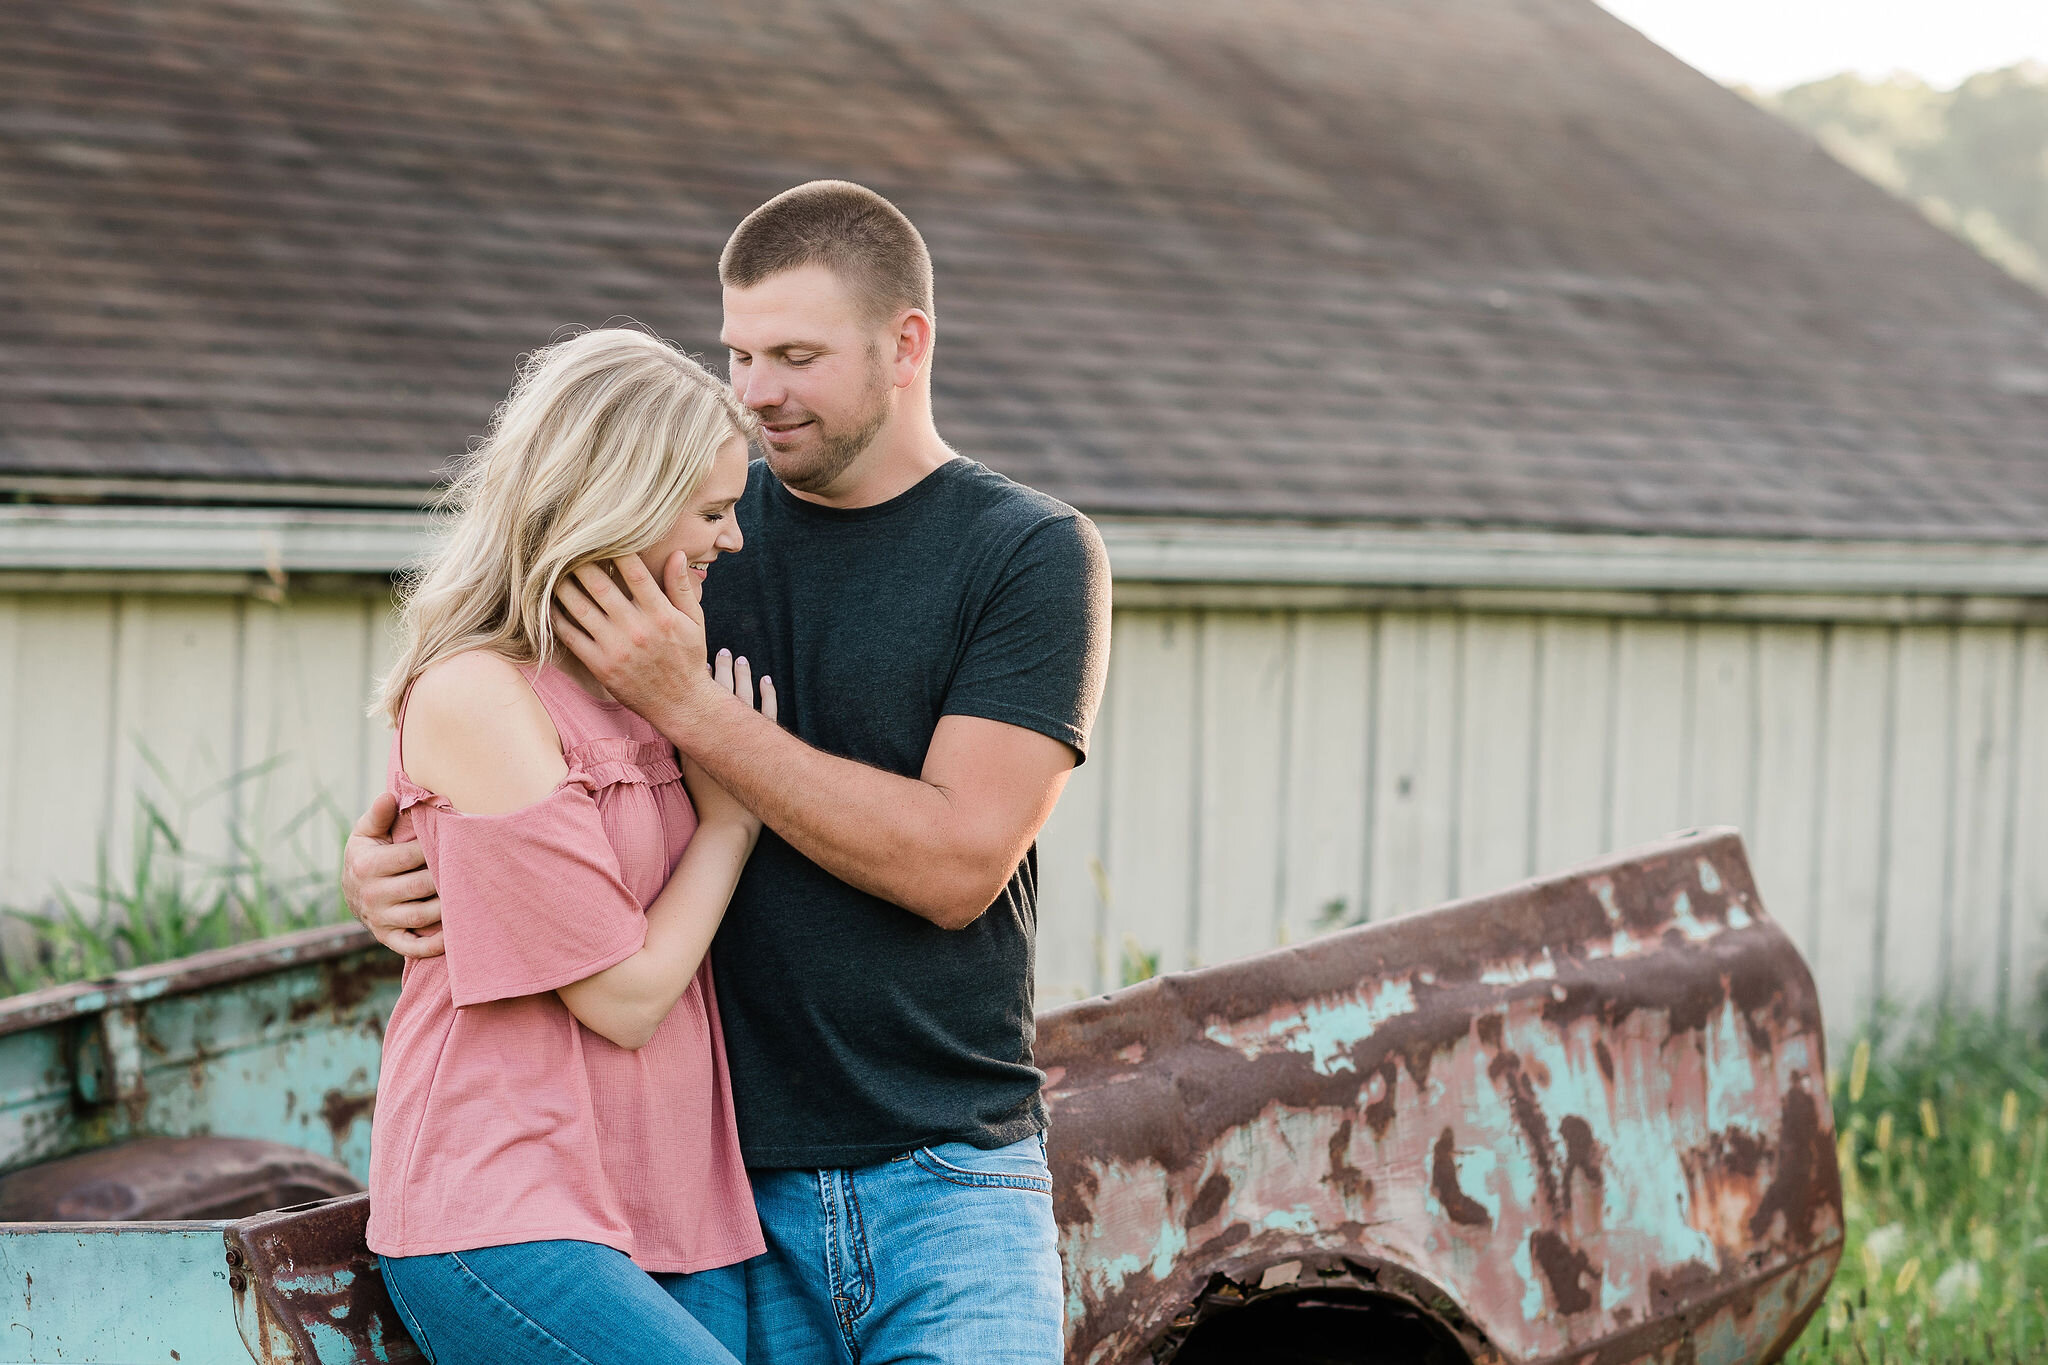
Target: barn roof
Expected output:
[1480,262]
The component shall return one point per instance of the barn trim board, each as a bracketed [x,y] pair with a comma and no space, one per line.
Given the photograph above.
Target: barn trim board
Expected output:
[1193,554]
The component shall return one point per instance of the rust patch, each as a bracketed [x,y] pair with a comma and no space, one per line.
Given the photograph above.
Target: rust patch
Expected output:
[341,1111]
[1674,1286]
[1803,1181]
[1582,1154]
[347,983]
[1566,1268]
[1347,1178]
[312,1279]
[1209,1200]
[1505,1071]
[1379,1114]
[1459,1206]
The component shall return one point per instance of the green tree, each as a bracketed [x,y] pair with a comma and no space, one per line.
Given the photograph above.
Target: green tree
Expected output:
[1975,159]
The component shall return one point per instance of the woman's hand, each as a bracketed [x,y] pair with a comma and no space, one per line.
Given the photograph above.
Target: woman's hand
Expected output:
[715,805]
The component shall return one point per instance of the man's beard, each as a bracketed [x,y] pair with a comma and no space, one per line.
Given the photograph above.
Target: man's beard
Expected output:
[836,450]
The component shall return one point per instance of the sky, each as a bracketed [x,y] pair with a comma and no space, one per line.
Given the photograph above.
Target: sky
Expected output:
[1771,44]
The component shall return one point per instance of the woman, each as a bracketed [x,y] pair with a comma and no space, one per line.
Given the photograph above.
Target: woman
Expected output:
[554,1171]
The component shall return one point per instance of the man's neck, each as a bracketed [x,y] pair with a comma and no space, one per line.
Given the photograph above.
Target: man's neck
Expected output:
[891,466]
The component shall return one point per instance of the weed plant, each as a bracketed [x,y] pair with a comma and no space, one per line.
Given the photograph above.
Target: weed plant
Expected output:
[168,899]
[1943,1141]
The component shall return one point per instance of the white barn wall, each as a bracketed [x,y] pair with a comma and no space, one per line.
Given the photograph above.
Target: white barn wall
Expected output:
[1891,780]
[206,685]
[1255,773]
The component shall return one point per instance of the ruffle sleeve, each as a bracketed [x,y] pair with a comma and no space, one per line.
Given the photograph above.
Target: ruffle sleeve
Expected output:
[531,900]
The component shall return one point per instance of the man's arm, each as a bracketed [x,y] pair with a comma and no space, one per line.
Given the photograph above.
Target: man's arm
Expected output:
[941,845]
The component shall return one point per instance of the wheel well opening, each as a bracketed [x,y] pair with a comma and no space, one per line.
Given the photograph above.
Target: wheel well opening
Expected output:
[1335,1326]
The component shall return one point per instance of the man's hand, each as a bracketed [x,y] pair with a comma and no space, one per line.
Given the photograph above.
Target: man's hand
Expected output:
[645,643]
[388,887]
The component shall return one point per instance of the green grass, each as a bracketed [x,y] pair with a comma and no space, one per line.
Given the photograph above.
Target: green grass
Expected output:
[167,899]
[1943,1140]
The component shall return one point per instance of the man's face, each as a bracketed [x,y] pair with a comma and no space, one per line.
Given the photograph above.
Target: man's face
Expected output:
[815,370]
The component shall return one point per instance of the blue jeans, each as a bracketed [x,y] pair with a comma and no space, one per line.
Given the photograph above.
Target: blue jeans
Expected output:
[943,1256]
[566,1303]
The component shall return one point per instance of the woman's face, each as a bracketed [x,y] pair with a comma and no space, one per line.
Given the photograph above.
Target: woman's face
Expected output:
[707,527]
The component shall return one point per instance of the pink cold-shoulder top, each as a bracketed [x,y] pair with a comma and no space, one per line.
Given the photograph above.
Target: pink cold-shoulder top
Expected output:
[499,1117]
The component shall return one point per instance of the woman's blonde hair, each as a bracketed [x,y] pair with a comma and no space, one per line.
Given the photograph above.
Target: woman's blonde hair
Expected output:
[601,444]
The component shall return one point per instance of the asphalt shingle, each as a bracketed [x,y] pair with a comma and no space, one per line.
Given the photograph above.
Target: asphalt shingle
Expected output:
[1427,261]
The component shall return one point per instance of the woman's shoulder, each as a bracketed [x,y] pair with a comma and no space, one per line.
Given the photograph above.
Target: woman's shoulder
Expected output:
[476,687]
[476,733]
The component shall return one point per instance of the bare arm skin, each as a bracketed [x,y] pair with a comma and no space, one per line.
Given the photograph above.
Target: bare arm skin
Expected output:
[476,734]
[941,845]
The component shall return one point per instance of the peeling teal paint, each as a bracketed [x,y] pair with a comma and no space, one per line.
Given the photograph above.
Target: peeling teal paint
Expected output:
[1476,1167]
[1172,1242]
[1300,1218]
[331,1346]
[1731,1073]
[318,1284]
[1326,1030]
[378,1350]
[1682,917]
[1515,973]
[1532,1283]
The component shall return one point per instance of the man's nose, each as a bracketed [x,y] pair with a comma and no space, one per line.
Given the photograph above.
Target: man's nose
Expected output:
[760,390]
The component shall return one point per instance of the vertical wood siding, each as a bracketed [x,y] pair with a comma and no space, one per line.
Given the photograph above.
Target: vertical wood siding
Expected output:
[111,698]
[1256,776]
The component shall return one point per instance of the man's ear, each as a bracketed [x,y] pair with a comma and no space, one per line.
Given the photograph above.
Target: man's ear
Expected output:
[913,346]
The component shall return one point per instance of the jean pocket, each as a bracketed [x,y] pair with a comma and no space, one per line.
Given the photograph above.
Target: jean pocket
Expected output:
[1019,1166]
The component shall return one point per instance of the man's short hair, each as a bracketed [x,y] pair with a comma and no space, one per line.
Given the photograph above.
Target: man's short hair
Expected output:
[850,230]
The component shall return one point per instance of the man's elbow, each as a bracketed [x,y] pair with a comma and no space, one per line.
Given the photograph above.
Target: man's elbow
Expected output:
[966,897]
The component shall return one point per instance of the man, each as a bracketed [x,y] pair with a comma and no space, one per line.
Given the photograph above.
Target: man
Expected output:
[937,636]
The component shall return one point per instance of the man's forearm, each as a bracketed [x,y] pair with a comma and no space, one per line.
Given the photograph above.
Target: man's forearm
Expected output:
[899,838]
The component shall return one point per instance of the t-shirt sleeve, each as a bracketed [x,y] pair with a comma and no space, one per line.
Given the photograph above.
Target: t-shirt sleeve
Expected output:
[530,900]
[1040,649]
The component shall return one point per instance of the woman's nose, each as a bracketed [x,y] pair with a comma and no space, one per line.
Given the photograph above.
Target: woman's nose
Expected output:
[729,540]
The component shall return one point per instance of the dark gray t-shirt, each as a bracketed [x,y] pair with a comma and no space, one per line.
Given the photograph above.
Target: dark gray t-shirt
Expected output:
[856,1030]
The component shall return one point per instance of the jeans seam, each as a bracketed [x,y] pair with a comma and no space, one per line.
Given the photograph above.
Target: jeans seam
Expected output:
[520,1313]
[835,1269]
[407,1318]
[857,1242]
[933,1164]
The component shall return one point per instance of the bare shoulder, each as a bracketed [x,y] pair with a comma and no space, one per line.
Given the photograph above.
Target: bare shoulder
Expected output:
[476,733]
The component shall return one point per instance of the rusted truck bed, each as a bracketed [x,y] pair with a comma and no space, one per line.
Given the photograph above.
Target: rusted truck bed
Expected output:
[1584,1119]
[1580,1120]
